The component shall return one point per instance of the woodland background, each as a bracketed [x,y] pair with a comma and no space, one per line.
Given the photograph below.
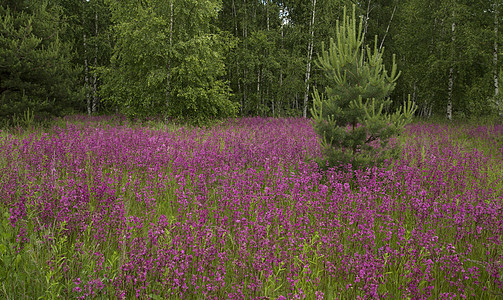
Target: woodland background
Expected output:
[204,59]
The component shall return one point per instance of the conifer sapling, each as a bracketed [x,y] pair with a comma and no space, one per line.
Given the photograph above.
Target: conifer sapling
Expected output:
[352,116]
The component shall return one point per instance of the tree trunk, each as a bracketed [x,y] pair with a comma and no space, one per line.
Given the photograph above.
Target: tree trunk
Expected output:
[171,22]
[86,63]
[281,74]
[280,103]
[234,14]
[86,77]
[309,58]
[259,96]
[451,77]
[495,49]
[236,32]
[266,99]
[95,76]
[243,101]
[245,35]
[365,28]
[245,29]
[168,83]
[387,28]
[267,13]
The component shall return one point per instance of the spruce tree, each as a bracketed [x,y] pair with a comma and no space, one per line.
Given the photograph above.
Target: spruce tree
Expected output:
[352,116]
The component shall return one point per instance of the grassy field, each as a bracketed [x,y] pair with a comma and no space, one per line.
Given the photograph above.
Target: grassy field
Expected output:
[103,208]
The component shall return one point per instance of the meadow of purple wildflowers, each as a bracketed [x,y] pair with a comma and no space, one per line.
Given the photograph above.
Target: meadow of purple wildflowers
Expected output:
[96,208]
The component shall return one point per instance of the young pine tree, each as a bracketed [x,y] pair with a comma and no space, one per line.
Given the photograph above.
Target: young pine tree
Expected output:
[351,116]
[37,75]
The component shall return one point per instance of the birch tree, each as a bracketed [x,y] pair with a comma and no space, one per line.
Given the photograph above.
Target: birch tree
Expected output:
[168,61]
[86,61]
[496,100]
[309,57]
[451,70]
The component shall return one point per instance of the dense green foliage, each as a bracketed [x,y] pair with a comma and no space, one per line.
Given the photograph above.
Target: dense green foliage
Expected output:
[168,60]
[215,58]
[352,120]
[444,40]
[35,64]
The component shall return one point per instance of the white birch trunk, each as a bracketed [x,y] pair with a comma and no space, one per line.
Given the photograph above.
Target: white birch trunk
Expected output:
[495,49]
[245,28]
[497,99]
[258,90]
[449,101]
[168,80]
[86,76]
[239,86]
[365,28]
[235,18]
[86,63]
[387,28]
[245,71]
[309,59]
[95,76]
[280,104]
[267,13]
[451,78]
